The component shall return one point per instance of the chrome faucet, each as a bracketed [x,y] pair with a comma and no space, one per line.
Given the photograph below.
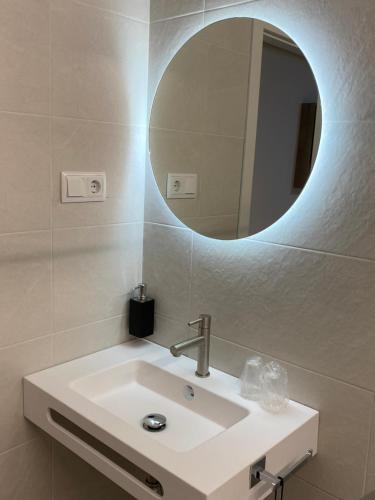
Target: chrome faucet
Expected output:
[202,340]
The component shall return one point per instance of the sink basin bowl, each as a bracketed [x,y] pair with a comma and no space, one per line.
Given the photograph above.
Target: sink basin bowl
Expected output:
[95,406]
[135,389]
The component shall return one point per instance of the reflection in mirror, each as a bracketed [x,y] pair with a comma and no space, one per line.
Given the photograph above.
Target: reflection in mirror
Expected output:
[235,128]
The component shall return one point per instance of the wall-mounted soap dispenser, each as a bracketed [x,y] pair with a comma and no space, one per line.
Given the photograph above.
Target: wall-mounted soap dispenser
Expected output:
[141,313]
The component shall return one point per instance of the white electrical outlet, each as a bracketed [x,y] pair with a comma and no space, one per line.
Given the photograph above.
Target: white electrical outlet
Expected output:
[81,187]
[182,186]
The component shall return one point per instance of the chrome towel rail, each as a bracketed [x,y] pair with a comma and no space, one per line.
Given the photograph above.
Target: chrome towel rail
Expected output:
[258,473]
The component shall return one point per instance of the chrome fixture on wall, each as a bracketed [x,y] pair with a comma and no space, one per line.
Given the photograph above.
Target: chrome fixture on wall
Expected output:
[259,473]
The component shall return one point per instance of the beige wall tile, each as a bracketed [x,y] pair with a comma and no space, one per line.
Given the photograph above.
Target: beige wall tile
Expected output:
[15,363]
[309,308]
[93,51]
[339,61]
[370,496]
[169,331]
[25,167]
[344,428]
[205,87]
[180,101]
[74,479]
[176,152]
[227,91]
[166,38]
[221,175]
[25,296]
[335,212]
[343,445]
[214,4]
[139,9]
[296,489]
[24,56]
[166,270]
[230,34]
[161,9]
[90,338]
[370,470]
[156,210]
[95,270]
[94,147]
[25,472]
[223,227]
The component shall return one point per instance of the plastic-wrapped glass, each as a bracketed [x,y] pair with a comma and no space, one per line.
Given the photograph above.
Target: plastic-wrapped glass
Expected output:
[274,383]
[251,386]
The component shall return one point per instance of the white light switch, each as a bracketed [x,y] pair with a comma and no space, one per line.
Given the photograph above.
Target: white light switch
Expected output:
[182,186]
[80,187]
[76,186]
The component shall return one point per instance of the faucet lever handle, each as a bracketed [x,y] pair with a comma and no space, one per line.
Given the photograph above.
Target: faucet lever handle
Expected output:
[195,322]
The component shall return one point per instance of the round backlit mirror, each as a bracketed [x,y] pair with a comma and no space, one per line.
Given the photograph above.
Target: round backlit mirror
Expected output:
[235,128]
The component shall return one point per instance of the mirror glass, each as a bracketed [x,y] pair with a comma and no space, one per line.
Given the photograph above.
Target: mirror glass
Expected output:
[235,128]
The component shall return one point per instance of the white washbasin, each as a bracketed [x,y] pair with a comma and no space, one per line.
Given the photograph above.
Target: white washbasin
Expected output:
[134,389]
[95,405]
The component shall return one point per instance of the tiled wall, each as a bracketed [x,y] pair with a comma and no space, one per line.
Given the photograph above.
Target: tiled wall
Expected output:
[303,290]
[72,97]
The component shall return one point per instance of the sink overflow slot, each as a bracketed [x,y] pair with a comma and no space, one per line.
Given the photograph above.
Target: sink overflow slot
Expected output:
[188,392]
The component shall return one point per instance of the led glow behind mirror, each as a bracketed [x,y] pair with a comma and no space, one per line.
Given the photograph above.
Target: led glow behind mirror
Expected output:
[235,128]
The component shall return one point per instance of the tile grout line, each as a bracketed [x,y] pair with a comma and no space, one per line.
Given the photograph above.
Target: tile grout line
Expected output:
[250,240]
[67,228]
[52,267]
[52,469]
[82,3]
[52,287]
[142,255]
[370,440]
[224,216]
[333,497]
[169,226]
[21,445]
[109,318]
[26,233]
[60,332]
[70,117]
[179,16]
[312,250]
[203,11]
[291,363]
[96,226]
[196,132]
[145,125]
[231,5]
[295,365]
[191,273]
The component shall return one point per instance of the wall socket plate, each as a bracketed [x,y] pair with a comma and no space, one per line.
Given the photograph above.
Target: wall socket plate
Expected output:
[83,187]
[182,186]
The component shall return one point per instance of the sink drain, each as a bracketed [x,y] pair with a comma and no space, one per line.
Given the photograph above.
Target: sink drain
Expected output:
[154,422]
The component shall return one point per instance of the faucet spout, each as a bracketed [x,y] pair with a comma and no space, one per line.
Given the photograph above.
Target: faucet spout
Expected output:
[180,347]
[202,340]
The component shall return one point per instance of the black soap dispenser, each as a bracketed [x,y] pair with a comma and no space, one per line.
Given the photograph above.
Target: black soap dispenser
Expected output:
[141,313]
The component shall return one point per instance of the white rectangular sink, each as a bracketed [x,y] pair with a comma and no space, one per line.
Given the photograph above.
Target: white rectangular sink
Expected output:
[132,390]
[95,406]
